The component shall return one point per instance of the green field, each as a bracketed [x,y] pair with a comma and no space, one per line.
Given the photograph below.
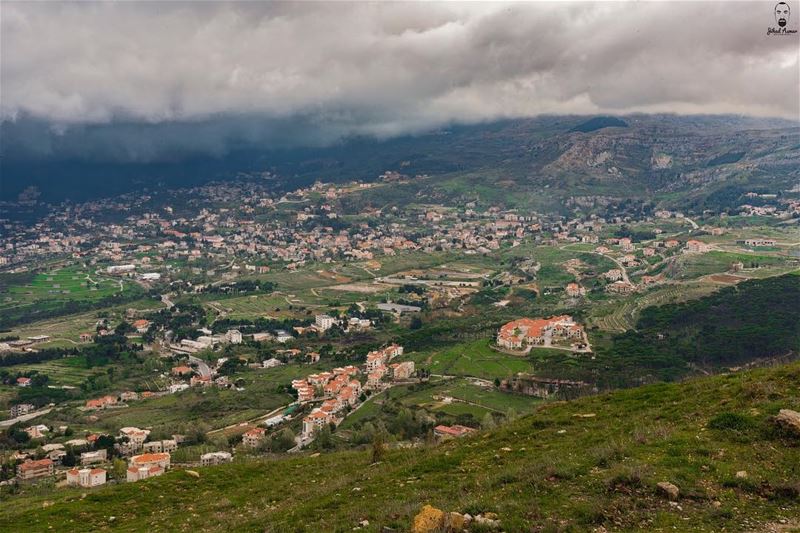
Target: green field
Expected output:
[472,359]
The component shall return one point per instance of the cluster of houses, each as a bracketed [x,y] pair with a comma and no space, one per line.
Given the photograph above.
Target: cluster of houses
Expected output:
[339,390]
[525,333]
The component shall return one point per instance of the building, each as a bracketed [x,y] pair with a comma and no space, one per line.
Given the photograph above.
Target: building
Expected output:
[402,370]
[315,420]
[613,275]
[757,242]
[21,409]
[442,432]
[149,460]
[23,382]
[324,322]
[215,458]
[233,336]
[574,290]
[620,287]
[101,403]
[33,470]
[524,332]
[97,456]
[160,446]
[181,371]
[86,477]
[697,246]
[141,325]
[138,473]
[253,437]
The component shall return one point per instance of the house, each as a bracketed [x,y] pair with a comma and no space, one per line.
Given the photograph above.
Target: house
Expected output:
[86,337]
[697,246]
[101,403]
[128,396]
[181,371]
[402,370]
[21,409]
[132,440]
[37,432]
[148,460]
[271,363]
[138,473]
[86,477]
[613,275]
[283,336]
[33,470]
[374,377]
[574,290]
[23,382]
[215,458]
[233,336]
[626,244]
[160,446]
[141,325]
[443,432]
[315,420]
[620,287]
[97,456]
[253,437]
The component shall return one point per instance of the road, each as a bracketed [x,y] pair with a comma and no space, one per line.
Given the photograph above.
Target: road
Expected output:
[24,418]
[202,368]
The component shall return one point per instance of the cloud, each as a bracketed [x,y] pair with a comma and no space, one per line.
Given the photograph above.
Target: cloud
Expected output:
[214,74]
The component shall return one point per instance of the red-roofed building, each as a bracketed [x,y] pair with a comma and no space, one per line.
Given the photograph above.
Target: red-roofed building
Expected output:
[86,477]
[252,438]
[33,470]
[448,432]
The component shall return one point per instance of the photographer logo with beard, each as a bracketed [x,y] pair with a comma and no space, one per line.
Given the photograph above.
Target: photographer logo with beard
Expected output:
[782,13]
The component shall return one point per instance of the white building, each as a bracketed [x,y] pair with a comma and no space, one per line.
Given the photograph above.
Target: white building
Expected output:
[86,477]
[215,458]
[324,322]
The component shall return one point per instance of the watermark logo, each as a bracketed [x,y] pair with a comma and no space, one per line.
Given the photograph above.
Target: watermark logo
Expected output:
[782,14]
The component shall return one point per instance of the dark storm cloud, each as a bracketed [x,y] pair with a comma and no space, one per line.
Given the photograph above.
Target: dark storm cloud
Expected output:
[180,77]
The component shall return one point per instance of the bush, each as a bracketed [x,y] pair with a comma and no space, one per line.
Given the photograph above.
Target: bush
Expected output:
[731,421]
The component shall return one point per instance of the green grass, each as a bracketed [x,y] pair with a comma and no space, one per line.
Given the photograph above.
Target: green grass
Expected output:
[474,358]
[550,471]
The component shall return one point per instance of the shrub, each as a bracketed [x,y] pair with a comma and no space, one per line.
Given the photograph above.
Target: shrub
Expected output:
[731,421]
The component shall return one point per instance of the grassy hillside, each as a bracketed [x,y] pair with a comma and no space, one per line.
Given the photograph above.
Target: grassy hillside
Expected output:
[570,466]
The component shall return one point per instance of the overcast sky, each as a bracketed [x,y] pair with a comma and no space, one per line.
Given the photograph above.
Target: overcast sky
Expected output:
[331,69]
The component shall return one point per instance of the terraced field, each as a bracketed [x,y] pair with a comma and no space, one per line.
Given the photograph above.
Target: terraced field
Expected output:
[621,315]
[68,371]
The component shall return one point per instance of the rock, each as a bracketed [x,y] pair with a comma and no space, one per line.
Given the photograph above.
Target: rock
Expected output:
[467,519]
[429,520]
[491,516]
[454,522]
[192,473]
[505,449]
[364,523]
[741,474]
[669,490]
[487,522]
[789,420]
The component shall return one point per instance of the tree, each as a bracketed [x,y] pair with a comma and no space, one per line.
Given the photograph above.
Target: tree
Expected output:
[119,469]
[378,447]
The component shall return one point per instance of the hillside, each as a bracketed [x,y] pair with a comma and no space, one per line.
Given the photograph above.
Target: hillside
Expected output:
[561,469]
[668,157]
